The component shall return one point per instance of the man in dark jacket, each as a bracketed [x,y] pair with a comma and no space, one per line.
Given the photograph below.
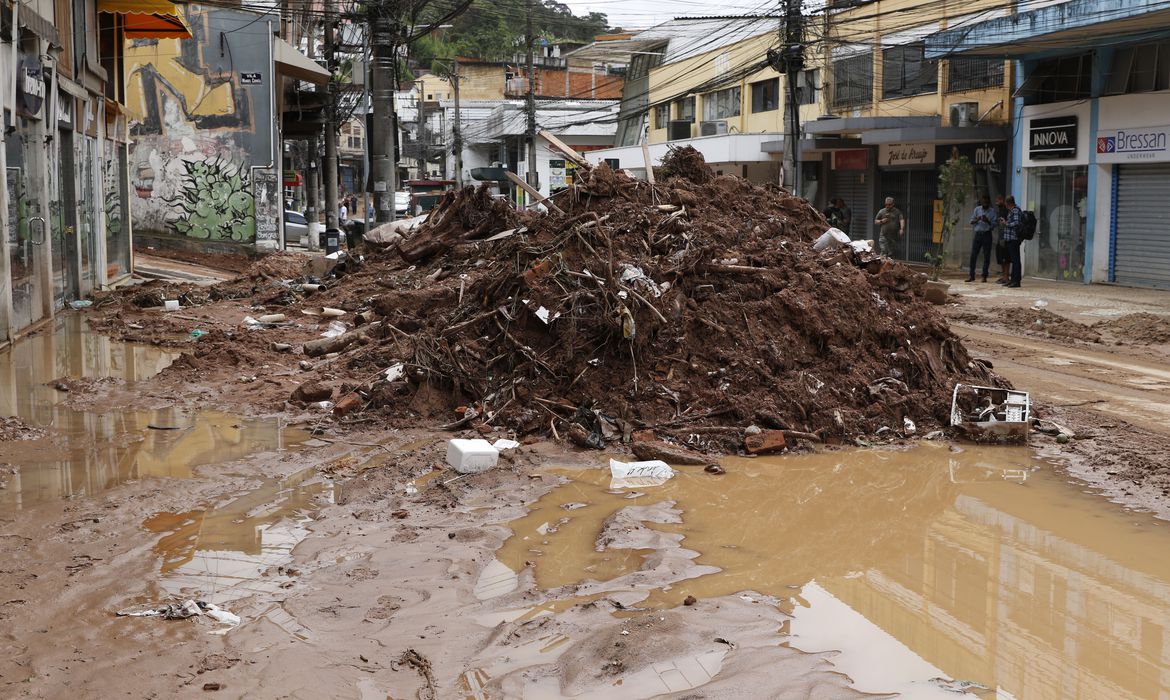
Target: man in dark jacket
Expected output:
[1012,224]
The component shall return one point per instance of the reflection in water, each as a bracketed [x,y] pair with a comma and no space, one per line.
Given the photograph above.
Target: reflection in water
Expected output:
[913,564]
[221,554]
[93,451]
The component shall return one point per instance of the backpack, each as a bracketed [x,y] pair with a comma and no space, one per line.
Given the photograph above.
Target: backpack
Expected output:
[1027,225]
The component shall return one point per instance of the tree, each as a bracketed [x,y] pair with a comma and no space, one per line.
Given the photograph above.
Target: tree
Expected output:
[956,182]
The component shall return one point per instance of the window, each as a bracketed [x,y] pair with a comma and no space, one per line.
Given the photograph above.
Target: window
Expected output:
[1058,80]
[974,74]
[906,72]
[766,95]
[721,104]
[684,109]
[808,84]
[853,81]
[1143,68]
[662,116]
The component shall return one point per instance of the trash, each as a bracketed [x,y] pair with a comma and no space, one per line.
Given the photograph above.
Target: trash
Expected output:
[183,611]
[638,474]
[220,615]
[505,444]
[82,303]
[990,413]
[471,456]
[394,372]
[325,311]
[282,347]
[334,329]
[957,686]
[171,305]
[1039,304]
[833,238]
[908,426]
[197,333]
[861,246]
[635,277]
[271,318]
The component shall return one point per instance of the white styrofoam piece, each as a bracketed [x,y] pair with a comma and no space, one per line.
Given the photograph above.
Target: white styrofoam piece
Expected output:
[471,456]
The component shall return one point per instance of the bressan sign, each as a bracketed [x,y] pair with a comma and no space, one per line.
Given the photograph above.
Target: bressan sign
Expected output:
[1052,138]
[1143,144]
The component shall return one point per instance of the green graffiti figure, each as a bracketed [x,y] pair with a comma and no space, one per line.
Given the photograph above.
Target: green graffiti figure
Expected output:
[215,202]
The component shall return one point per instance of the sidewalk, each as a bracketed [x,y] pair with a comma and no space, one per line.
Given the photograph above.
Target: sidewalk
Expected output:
[1084,303]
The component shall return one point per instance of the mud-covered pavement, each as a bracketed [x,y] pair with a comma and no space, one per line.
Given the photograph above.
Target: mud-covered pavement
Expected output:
[361,567]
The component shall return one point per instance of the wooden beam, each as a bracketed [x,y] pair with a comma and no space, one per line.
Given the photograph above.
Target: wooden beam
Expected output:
[538,198]
[572,155]
[649,163]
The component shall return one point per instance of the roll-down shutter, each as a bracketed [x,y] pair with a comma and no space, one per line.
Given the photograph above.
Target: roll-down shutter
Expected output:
[1142,246]
[850,186]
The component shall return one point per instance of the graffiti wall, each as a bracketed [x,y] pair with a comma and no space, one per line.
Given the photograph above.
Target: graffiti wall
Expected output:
[201,134]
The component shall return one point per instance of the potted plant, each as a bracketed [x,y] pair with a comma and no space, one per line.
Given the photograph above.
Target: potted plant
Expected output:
[956,182]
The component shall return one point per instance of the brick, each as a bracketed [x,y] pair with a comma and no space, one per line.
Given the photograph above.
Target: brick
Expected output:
[347,405]
[764,442]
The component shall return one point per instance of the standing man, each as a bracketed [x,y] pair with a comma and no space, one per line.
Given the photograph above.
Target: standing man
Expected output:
[983,220]
[846,215]
[891,225]
[1011,240]
[1001,255]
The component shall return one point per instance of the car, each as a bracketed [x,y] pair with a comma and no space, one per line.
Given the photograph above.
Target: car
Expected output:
[296,228]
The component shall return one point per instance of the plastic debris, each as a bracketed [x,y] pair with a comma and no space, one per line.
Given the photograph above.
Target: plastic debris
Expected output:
[505,444]
[394,372]
[471,456]
[833,238]
[197,333]
[171,305]
[82,303]
[334,329]
[638,474]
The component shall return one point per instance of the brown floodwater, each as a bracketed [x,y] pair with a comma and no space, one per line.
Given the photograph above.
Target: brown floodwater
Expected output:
[90,451]
[981,564]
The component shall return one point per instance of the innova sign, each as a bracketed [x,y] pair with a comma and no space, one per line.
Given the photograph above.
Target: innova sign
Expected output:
[1146,144]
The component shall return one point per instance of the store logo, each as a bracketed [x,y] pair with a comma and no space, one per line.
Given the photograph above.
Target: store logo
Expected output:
[1106,144]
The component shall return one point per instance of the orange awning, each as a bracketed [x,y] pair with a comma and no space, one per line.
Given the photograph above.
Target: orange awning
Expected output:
[148,19]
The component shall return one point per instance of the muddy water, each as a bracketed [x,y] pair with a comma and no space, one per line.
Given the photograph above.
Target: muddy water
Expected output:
[232,551]
[914,565]
[90,451]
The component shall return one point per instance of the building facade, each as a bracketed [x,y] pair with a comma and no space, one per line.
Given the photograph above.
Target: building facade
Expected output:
[65,215]
[1091,137]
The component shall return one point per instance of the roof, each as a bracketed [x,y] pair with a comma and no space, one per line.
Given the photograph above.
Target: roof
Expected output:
[678,39]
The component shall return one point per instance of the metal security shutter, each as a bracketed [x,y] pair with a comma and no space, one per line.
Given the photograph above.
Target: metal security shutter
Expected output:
[850,186]
[1142,243]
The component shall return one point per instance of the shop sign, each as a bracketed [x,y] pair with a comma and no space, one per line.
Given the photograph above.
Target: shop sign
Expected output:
[857,159]
[986,156]
[902,154]
[1052,138]
[1144,144]
[30,88]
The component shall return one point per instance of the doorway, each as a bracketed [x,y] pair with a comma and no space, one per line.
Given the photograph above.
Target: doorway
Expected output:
[914,192]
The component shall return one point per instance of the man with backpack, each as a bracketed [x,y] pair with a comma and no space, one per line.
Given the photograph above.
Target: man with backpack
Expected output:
[1018,226]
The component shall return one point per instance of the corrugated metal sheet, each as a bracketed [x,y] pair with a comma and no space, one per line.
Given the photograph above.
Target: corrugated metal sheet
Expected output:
[1143,230]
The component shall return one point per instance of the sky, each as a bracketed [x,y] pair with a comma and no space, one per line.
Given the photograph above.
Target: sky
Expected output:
[640,14]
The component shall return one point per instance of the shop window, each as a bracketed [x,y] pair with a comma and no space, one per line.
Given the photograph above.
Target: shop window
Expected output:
[721,105]
[974,74]
[685,109]
[853,81]
[1143,68]
[906,72]
[1058,80]
[662,116]
[808,84]
[766,95]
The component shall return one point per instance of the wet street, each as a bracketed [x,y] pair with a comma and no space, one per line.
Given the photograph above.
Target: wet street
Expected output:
[930,571]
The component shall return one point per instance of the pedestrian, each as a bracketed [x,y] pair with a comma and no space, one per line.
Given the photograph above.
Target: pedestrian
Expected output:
[846,215]
[342,212]
[1001,254]
[983,221]
[833,215]
[1011,239]
[891,225]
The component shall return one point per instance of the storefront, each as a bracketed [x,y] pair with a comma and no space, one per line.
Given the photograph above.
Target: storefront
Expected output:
[1056,188]
[850,179]
[907,172]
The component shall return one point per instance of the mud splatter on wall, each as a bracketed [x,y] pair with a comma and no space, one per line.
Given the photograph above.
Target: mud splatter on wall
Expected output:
[199,136]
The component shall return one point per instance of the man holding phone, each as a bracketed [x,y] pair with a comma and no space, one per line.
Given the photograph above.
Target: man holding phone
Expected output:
[891,225]
[983,220]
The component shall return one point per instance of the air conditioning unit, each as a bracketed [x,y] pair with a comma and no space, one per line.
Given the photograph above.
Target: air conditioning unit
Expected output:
[964,113]
[712,128]
[679,129]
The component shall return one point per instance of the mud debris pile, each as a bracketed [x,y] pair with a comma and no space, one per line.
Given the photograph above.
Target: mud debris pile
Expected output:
[695,307]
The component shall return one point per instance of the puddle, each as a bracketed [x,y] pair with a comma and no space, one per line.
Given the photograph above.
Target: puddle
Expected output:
[230,552]
[92,451]
[913,565]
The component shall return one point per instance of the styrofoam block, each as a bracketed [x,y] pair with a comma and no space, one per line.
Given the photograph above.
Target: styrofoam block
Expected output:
[471,456]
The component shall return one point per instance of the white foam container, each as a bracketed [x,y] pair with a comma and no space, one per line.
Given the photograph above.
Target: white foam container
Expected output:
[471,456]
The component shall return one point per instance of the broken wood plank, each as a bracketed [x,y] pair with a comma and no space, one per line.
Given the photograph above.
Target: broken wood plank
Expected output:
[570,154]
[535,193]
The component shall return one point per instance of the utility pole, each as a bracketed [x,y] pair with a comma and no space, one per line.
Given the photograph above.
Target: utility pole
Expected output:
[384,81]
[312,195]
[331,213]
[792,41]
[533,177]
[457,129]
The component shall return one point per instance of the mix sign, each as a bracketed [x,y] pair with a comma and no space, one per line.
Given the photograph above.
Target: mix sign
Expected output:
[1143,144]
